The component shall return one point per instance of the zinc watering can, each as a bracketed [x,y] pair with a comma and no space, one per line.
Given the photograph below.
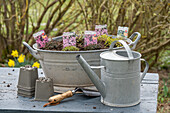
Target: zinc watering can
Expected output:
[119,85]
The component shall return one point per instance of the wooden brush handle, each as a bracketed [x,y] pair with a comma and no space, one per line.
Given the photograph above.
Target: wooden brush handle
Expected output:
[60,97]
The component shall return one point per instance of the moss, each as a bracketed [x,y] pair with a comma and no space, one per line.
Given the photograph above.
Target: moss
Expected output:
[93,47]
[70,48]
[108,40]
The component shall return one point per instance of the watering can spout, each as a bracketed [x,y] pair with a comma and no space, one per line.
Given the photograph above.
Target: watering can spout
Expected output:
[92,75]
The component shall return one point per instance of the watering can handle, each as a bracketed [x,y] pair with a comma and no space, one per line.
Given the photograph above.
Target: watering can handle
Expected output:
[137,39]
[129,52]
[145,70]
[32,51]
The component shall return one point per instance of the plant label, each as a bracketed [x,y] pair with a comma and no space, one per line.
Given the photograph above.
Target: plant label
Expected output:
[101,29]
[90,38]
[122,32]
[41,38]
[69,39]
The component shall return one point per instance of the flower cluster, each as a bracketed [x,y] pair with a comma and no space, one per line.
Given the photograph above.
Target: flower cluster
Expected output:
[69,41]
[41,40]
[11,63]
[36,64]
[90,39]
[101,31]
[19,60]
[14,53]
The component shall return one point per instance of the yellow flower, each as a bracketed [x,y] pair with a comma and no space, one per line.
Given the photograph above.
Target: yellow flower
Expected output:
[21,58]
[36,64]
[14,53]
[11,63]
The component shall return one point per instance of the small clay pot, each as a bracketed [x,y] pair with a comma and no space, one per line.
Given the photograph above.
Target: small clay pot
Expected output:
[26,82]
[24,95]
[27,77]
[44,89]
[26,92]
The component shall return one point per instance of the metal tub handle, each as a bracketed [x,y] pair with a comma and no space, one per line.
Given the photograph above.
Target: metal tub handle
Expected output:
[137,39]
[32,51]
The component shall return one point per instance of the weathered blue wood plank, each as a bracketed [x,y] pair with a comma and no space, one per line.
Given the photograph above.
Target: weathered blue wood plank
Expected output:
[10,102]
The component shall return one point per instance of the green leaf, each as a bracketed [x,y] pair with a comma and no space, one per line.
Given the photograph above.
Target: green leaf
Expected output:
[165,90]
[162,100]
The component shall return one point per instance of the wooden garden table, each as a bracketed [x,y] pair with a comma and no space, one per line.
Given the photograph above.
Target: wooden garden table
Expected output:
[11,103]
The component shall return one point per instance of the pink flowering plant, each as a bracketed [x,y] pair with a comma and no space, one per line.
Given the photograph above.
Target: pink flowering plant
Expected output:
[90,38]
[41,38]
[69,39]
[101,30]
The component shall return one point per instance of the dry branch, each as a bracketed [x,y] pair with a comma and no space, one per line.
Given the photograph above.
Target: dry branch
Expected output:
[153,49]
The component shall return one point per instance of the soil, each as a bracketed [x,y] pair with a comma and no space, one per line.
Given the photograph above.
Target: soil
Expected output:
[9,74]
[8,85]
[103,42]
[58,46]
[94,107]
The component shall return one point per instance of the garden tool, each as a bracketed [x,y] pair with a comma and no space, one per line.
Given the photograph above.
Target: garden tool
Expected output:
[54,100]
